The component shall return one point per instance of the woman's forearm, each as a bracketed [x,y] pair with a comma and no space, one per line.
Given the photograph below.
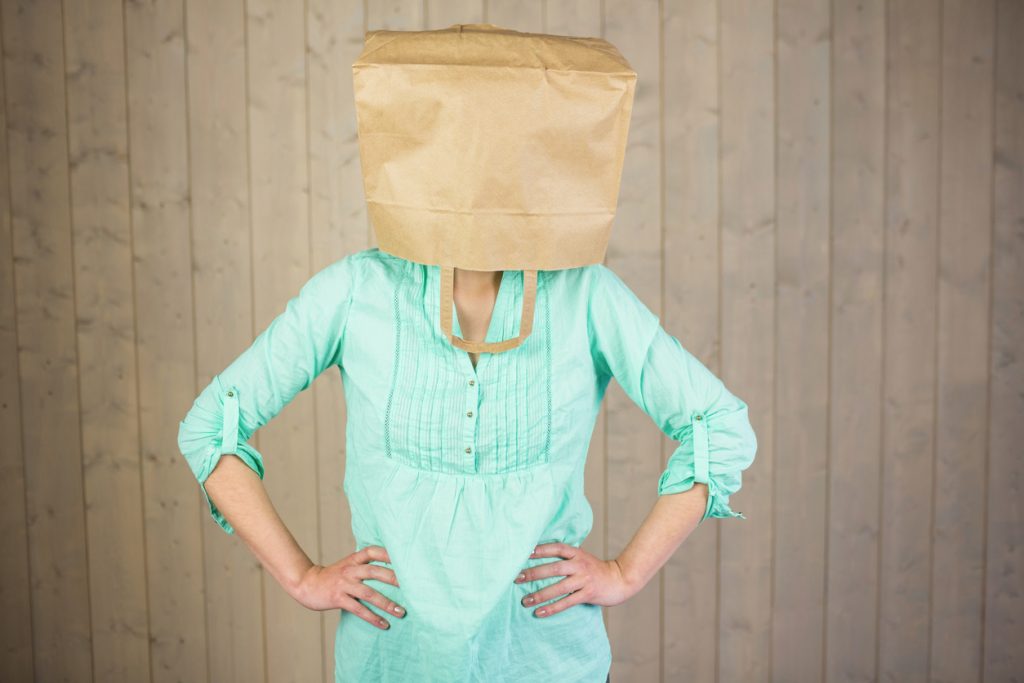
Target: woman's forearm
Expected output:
[673,518]
[241,497]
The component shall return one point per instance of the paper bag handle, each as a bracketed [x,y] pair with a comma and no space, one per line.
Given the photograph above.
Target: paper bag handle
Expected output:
[525,322]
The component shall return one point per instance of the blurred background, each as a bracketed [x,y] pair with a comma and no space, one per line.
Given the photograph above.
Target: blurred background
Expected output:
[824,201]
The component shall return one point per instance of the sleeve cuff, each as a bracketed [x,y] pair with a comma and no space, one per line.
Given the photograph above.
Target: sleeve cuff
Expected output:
[683,472]
[228,443]
[718,502]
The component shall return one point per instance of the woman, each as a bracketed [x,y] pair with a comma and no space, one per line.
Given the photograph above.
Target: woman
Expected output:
[464,473]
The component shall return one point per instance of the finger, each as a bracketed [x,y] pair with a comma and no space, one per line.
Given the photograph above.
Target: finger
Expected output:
[375,571]
[374,552]
[555,550]
[367,594]
[541,571]
[560,605]
[567,585]
[364,613]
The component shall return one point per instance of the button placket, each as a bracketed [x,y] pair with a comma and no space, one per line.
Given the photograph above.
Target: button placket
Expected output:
[470,416]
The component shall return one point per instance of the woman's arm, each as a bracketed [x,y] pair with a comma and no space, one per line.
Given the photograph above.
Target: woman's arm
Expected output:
[688,402]
[296,347]
[690,405]
[672,519]
[239,494]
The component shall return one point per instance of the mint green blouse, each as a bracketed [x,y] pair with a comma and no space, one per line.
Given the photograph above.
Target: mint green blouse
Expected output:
[459,472]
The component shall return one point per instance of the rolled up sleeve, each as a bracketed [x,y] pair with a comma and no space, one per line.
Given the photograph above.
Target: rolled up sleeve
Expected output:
[690,404]
[298,345]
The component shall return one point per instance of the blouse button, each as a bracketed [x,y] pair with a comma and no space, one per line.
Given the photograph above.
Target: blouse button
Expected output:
[472,382]
[231,393]
[698,417]
[468,449]
[469,414]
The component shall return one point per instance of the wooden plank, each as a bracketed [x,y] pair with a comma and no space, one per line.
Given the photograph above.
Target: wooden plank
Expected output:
[690,121]
[279,187]
[572,17]
[965,220]
[15,585]
[159,191]
[338,227]
[398,15]
[222,282]
[855,411]
[46,324]
[102,269]
[635,444]
[747,198]
[908,426]
[1003,658]
[803,66]
[444,13]
[519,15]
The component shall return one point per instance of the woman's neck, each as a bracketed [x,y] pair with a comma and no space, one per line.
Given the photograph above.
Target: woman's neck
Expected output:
[477,282]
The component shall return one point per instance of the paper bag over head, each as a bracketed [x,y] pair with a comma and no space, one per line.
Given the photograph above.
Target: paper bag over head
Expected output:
[485,148]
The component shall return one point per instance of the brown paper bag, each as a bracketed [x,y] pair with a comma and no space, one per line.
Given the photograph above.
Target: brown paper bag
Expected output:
[485,148]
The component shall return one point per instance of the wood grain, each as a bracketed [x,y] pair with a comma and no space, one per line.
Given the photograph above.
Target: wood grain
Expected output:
[1002,660]
[747,274]
[803,231]
[47,354]
[855,336]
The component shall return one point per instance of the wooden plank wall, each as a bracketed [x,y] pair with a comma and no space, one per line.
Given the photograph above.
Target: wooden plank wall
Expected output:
[822,200]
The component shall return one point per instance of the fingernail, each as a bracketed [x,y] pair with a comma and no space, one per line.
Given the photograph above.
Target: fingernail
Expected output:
[528,601]
[541,612]
[383,623]
[399,609]
[521,577]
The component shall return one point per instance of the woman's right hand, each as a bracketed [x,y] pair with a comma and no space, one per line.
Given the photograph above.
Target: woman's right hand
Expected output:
[340,585]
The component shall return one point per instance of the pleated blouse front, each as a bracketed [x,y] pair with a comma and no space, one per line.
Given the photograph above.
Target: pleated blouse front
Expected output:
[460,471]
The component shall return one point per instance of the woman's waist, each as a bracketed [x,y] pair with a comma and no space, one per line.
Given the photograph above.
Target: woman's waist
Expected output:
[466,610]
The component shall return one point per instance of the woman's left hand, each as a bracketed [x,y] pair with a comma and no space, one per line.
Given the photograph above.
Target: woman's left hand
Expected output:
[587,579]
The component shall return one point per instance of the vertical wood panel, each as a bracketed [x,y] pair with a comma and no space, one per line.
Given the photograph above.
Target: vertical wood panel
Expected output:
[279,187]
[519,15]
[908,426]
[396,15]
[965,219]
[47,354]
[1003,658]
[690,255]
[159,192]
[747,272]
[15,585]
[802,46]
[855,411]
[222,303]
[94,40]
[444,13]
